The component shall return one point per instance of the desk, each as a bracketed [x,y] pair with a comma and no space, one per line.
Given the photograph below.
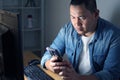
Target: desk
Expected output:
[29,56]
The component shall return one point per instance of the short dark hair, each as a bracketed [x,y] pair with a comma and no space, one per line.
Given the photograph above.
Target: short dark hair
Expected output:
[89,4]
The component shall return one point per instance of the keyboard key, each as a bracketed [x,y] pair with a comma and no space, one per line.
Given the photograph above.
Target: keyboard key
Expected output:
[34,72]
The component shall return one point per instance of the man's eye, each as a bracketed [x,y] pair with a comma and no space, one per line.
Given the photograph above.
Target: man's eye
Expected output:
[72,17]
[82,17]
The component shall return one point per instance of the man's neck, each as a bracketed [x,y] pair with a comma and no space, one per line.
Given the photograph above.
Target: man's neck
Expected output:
[88,34]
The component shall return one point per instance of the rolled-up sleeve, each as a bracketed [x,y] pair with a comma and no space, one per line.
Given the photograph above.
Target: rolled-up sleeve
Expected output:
[58,44]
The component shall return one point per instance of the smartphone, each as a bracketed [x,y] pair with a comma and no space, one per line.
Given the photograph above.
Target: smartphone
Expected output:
[54,52]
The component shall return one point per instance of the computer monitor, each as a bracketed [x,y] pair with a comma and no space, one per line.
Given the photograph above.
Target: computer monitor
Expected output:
[11,60]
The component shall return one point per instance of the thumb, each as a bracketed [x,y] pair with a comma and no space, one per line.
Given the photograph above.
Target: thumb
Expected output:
[53,59]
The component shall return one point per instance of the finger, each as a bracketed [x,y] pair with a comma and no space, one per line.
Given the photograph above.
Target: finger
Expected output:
[60,68]
[56,69]
[70,68]
[59,64]
[68,64]
[53,59]
[64,72]
[65,69]
[54,64]
[66,78]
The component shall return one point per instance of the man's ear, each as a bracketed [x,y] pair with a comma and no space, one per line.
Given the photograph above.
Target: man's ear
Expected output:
[97,13]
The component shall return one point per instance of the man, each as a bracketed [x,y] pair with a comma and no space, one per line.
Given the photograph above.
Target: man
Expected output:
[91,44]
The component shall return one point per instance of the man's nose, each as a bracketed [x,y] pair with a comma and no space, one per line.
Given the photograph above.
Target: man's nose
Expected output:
[78,22]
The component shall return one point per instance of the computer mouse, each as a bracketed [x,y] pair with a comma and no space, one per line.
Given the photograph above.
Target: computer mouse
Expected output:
[34,62]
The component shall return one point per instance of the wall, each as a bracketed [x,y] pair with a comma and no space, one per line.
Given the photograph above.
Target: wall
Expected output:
[110,10]
[57,13]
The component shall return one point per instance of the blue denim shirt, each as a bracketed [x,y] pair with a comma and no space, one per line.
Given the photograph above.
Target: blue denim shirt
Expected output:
[104,49]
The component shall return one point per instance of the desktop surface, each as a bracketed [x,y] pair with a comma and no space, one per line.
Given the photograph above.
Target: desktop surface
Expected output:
[28,56]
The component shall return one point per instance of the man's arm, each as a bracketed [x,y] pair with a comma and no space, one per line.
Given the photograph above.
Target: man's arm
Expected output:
[58,43]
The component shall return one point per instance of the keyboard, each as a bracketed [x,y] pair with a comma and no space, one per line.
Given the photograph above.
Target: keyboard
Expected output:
[33,72]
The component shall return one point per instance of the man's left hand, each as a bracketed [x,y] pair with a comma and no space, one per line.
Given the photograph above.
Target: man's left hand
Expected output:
[68,73]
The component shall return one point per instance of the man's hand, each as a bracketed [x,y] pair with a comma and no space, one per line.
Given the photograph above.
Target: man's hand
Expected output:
[55,66]
[65,70]
[68,73]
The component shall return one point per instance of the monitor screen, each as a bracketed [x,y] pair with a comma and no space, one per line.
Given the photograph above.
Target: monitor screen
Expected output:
[11,60]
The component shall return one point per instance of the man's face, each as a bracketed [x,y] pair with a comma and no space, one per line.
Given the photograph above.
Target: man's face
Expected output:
[83,20]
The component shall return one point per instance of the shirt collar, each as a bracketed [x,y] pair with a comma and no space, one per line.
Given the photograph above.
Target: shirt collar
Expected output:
[99,30]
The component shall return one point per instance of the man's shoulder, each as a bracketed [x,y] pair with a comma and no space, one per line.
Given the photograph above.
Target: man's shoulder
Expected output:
[68,26]
[107,25]
[107,29]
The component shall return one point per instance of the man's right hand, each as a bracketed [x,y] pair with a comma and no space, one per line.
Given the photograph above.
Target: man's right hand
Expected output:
[55,66]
